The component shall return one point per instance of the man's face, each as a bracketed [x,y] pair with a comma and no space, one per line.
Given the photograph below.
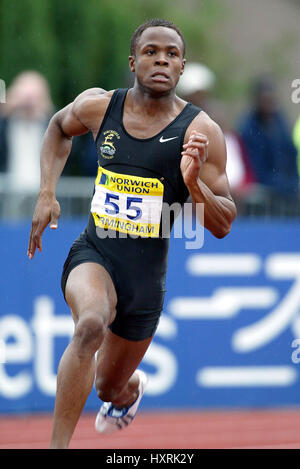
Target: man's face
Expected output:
[158,61]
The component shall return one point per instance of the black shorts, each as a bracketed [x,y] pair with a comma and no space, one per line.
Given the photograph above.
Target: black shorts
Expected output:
[137,315]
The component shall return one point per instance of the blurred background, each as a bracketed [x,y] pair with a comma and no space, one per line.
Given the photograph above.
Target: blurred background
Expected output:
[229,336]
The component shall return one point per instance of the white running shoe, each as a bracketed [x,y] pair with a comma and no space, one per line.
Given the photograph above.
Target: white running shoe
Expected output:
[110,419]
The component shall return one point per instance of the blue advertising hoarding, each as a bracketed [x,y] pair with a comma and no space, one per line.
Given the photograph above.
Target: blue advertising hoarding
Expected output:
[229,335]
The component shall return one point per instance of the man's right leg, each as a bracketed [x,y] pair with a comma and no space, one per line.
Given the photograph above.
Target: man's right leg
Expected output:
[91,296]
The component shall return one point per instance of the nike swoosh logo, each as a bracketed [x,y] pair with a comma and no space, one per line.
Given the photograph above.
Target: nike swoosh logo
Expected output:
[163,140]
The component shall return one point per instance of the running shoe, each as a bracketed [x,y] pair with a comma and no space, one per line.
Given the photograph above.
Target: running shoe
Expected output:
[111,419]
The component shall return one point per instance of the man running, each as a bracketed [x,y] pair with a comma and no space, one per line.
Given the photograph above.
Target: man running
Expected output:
[152,150]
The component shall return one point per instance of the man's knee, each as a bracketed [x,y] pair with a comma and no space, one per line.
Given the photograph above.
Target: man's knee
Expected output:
[89,332]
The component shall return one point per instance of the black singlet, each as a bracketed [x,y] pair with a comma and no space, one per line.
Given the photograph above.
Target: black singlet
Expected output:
[133,175]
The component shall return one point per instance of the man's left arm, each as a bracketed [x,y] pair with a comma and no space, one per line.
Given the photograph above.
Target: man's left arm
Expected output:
[203,167]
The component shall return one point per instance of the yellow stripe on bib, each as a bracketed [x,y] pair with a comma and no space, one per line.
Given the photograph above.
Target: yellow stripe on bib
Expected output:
[127,184]
[117,224]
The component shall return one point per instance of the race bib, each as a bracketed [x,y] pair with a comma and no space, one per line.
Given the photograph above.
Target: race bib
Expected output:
[129,204]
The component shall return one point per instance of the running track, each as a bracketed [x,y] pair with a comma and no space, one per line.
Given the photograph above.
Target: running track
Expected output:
[274,429]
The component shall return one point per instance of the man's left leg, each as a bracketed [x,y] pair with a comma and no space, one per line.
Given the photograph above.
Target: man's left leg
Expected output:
[117,360]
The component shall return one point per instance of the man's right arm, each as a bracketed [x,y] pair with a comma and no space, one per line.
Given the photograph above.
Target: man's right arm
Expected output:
[83,115]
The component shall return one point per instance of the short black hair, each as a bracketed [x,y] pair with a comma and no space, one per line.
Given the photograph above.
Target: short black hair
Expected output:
[150,24]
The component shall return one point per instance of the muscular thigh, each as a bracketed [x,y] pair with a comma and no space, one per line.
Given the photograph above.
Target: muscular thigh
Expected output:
[89,289]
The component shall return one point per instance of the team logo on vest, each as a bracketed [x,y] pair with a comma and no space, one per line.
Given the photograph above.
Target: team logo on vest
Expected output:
[107,147]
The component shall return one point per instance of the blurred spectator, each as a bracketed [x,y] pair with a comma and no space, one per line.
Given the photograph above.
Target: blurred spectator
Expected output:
[238,168]
[22,125]
[23,121]
[268,142]
[296,138]
[196,85]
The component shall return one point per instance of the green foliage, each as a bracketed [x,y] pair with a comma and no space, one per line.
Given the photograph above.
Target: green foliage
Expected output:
[78,45]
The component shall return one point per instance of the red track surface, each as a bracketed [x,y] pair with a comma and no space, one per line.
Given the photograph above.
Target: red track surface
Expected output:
[179,430]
